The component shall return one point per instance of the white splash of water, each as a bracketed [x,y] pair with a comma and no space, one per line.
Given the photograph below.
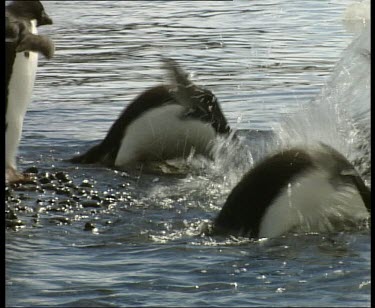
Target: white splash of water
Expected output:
[358,11]
[340,115]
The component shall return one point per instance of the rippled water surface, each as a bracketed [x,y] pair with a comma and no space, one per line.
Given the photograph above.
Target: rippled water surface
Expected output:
[92,236]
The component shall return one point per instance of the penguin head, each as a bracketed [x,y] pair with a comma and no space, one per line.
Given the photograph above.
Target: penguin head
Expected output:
[205,107]
[31,10]
[342,172]
[200,103]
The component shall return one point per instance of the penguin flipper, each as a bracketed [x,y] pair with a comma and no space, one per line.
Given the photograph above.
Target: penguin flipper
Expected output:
[37,43]
[182,87]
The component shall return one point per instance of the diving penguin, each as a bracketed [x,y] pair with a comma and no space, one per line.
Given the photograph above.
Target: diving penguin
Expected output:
[306,189]
[22,48]
[164,122]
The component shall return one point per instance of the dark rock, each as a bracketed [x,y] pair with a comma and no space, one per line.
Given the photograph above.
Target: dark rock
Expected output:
[61,176]
[26,187]
[49,186]
[89,226]
[86,183]
[91,203]
[14,223]
[75,198]
[61,220]
[11,215]
[97,198]
[44,180]
[63,191]
[32,169]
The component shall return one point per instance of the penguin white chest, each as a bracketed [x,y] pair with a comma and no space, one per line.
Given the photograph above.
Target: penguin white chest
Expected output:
[310,203]
[20,89]
[22,80]
[162,133]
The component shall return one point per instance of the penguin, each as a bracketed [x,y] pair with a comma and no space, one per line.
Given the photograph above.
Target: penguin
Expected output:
[22,47]
[164,122]
[301,189]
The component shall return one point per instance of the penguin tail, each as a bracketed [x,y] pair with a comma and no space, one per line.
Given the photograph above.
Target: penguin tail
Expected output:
[94,155]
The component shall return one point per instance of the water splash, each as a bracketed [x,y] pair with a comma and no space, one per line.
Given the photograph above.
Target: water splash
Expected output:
[340,114]
[356,12]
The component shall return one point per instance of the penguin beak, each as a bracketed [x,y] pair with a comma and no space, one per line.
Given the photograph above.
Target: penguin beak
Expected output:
[44,20]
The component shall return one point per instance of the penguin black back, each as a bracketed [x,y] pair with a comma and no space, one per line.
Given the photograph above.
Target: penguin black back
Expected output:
[249,200]
[106,151]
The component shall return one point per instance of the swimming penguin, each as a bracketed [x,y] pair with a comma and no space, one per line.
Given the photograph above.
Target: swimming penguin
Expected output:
[164,122]
[300,189]
[22,48]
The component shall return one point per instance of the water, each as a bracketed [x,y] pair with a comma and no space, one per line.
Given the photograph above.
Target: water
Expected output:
[137,242]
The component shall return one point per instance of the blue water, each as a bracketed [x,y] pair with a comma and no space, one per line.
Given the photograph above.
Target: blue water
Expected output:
[268,62]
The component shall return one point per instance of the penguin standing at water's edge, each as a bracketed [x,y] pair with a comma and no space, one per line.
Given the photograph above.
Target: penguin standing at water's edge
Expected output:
[22,48]
[164,122]
[302,189]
